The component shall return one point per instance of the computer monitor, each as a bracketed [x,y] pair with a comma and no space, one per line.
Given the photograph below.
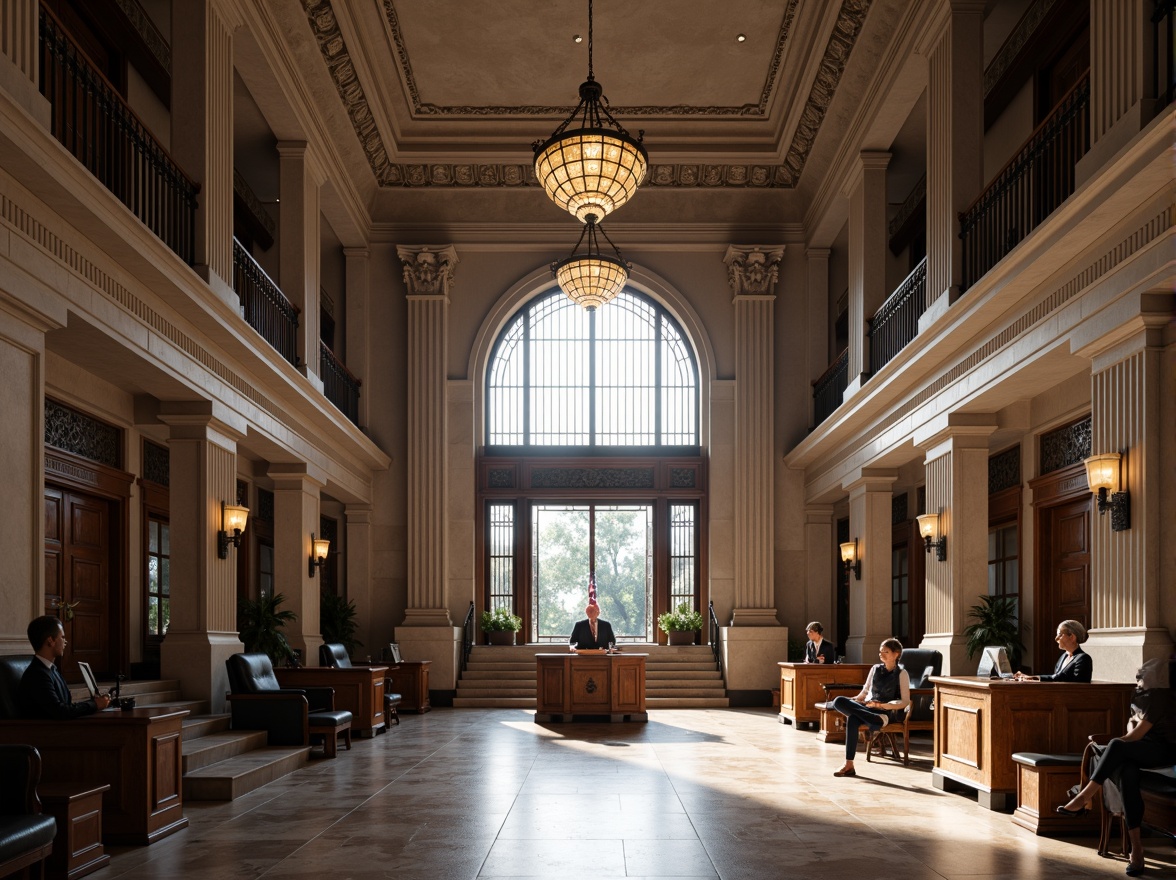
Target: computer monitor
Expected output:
[995,662]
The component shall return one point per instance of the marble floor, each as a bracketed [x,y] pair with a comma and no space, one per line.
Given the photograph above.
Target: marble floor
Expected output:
[476,793]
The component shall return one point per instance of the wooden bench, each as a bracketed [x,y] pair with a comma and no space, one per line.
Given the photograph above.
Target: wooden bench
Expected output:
[1042,783]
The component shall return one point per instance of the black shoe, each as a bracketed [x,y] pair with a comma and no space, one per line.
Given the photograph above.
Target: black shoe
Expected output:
[1063,811]
[1134,870]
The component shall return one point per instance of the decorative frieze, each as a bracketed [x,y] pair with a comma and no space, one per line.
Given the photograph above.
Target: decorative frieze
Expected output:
[592,478]
[1065,446]
[67,428]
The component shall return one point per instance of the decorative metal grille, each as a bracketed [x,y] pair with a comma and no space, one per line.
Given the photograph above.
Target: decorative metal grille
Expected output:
[265,506]
[1004,470]
[592,478]
[898,509]
[500,546]
[500,478]
[76,432]
[156,463]
[683,554]
[920,501]
[683,478]
[1065,446]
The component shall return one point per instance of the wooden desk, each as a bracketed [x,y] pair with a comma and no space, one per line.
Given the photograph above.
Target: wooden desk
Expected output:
[590,684]
[410,679]
[358,689]
[77,848]
[981,722]
[800,687]
[136,752]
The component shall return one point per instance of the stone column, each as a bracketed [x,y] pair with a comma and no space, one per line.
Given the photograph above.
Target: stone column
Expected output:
[866,191]
[755,636]
[1122,79]
[955,139]
[817,319]
[957,482]
[358,563]
[296,516]
[428,632]
[1133,384]
[300,247]
[870,524]
[203,474]
[19,56]
[819,574]
[202,131]
[357,343]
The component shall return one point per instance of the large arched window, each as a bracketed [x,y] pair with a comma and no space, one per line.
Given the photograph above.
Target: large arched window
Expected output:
[619,376]
[592,467]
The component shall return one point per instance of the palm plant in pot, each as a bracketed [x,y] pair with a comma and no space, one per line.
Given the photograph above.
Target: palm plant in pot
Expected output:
[994,623]
[260,622]
[681,624]
[500,625]
[337,621]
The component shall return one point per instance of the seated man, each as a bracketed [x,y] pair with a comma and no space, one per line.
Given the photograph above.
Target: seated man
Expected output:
[592,632]
[43,691]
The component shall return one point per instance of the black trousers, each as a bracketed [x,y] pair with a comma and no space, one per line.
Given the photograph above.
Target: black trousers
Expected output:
[855,716]
[1124,761]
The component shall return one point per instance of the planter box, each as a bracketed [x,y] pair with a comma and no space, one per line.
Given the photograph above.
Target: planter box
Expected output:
[684,637]
[501,637]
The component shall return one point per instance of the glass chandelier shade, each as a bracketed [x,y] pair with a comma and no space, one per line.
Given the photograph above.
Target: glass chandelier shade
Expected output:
[591,279]
[592,170]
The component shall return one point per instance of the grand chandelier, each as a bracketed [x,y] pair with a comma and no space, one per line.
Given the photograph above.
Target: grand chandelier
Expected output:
[591,279]
[592,170]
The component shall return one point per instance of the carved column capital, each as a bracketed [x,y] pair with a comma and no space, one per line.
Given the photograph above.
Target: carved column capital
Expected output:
[428,269]
[752,270]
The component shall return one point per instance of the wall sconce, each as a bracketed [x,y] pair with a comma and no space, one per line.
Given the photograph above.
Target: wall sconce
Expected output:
[928,528]
[318,552]
[1102,474]
[849,559]
[233,519]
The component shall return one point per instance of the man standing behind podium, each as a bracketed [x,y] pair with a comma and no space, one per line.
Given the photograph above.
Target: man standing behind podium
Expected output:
[43,691]
[593,632]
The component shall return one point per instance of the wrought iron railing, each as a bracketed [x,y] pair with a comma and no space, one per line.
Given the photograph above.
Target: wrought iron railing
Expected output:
[896,323]
[828,390]
[339,385]
[1163,52]
[265,306]
[716,635]
[467,638]
[1029,188]
[90,118]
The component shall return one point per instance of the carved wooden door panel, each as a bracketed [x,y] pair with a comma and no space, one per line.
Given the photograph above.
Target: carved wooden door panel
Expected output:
[1065,546]
[77,577]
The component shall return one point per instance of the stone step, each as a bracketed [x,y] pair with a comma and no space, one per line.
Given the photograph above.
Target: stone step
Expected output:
[715,685]
[196,726]
[498,674]
[685,693]
[706,672]
[234,777]
[686,702]
[204,751]
[496,692]
[493,703]
[194,707]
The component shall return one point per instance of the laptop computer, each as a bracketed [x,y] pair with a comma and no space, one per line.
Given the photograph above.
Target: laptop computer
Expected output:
[994,663]
[89,678]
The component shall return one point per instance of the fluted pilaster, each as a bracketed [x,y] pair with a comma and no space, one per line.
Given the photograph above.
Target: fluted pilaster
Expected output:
[18,35]
[359,339]
[1120,61]
[866,191]
[301,179]
[870,497]
[816,335]
[428,276]
[296,489]
[752,273]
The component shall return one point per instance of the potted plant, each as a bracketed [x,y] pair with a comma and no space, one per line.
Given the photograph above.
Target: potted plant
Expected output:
[337,621]
[500,625]
[261,622]
[995,624]
[680,625]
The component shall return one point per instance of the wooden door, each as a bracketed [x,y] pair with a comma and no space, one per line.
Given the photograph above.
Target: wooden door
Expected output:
[77,577]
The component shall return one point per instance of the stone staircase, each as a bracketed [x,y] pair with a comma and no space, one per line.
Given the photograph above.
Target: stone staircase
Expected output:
[219,764]
[675,677]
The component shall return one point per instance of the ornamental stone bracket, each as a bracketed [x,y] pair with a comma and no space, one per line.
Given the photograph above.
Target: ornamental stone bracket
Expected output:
[428,269]
[752,270]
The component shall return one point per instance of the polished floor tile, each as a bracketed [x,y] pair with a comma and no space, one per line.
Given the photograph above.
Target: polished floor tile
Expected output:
[731,794]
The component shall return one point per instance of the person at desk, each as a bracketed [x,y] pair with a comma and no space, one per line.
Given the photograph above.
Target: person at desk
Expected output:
[42,688]
[592,632]
[1150,742]
[817,650]
[883,698]
[1075,664]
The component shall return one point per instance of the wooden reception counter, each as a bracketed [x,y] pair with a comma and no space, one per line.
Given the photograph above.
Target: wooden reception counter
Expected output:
[590,684]
[981,722]
[136,752]
[800,687]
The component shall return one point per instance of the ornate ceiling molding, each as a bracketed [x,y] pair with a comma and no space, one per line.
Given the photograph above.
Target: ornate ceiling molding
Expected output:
[325,28]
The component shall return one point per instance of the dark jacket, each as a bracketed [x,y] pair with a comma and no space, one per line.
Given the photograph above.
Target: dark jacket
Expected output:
[1081,668]
[827,650]
[43,694]
[582,634]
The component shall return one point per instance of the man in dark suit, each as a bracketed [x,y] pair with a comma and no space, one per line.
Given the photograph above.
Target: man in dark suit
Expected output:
[43,691]
[818,649]
[592,632]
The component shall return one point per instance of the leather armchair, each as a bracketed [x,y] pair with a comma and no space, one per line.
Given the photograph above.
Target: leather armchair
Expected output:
[334,655]
[921,664]
[12,668]
[26,836]
[287,715]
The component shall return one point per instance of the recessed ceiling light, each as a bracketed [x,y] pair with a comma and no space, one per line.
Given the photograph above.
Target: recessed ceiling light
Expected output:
[577,39]
[741,38]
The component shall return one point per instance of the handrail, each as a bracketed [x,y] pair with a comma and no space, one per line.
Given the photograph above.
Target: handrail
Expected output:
[896,323]
[89,118]
[467,638]
[716,636]
[265,306]
[340,385]
[830,387]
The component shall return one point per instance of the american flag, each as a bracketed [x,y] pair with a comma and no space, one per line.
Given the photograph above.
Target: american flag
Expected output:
[592,588]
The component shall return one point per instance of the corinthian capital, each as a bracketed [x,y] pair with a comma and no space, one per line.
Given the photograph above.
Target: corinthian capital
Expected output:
[428,269]
[752,270]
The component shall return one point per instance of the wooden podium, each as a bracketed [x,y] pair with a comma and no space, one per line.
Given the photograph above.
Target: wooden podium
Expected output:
[590,684]
[801,687]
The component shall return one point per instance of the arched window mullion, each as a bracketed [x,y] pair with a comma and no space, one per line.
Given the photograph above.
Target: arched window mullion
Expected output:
[527,377]
[592,316]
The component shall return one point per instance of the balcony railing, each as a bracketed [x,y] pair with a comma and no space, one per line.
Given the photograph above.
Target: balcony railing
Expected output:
[895,324]
[829,389]
[89,117]
[339,385]
[1034,182]
[265,306]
